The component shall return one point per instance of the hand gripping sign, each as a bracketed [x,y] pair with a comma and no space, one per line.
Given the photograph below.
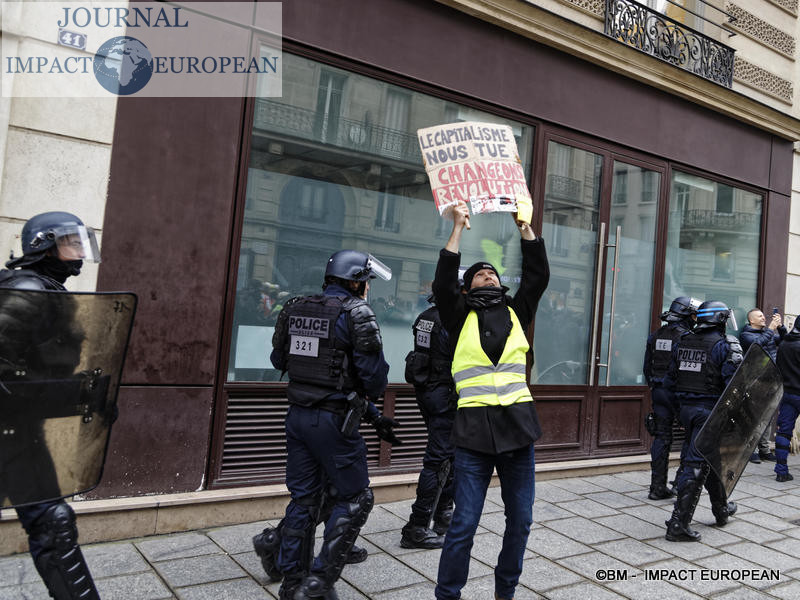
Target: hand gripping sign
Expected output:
[476,163]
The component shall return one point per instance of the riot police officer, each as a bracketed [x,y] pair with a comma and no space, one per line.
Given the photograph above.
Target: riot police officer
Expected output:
[702,363]
[677,320]
[428,369]
[54,246]
[330,345]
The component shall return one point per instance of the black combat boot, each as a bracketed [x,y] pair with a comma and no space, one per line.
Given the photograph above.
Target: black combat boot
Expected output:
[336,548]
[678,529]
[419,536]
[442,520]
[659,465]
[720,506]
[61,563]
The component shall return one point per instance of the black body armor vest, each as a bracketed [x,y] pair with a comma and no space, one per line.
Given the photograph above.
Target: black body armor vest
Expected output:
[317,362]
[696,372]
[666,337]
[430,362]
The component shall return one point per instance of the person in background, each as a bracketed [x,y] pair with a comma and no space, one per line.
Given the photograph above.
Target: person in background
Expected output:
[768,337]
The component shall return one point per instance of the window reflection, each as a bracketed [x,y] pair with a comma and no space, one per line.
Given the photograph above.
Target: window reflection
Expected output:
[713,243]
[334,164]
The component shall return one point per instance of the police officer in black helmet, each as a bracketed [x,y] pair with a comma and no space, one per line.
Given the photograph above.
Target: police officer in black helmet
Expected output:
[330,345]
[428,369]
[702,363]
[678,320]
[54,246]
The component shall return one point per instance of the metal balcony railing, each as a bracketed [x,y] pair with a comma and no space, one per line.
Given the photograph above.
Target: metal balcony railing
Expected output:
[565,188]
[709,219]
[337,131]
[655,34]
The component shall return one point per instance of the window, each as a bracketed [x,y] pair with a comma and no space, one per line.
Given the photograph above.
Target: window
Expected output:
[650,181]
[705,228]
[620,187]
[723,263]
[334,164]
[724,199]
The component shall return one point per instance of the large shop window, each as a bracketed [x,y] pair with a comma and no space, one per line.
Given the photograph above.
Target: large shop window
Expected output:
[713,243]
[335,164]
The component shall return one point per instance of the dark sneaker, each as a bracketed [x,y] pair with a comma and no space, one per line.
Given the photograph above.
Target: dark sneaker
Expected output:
[416,536]
[660,492]
[755,458]
[768,456]
[782,477]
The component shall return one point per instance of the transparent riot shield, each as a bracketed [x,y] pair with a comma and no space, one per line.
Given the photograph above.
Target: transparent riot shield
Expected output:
[61,357]
[730,435]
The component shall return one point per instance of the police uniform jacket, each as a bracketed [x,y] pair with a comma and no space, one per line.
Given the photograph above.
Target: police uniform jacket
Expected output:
[370,369]
[724,358]
[789,363]
[658,351]
[493,429]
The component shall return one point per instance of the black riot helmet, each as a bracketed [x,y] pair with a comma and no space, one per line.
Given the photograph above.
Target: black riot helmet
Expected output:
[683,307]
[712,313]
[352,265]
[59,231]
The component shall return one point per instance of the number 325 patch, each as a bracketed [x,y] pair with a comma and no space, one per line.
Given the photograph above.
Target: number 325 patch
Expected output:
[304,346]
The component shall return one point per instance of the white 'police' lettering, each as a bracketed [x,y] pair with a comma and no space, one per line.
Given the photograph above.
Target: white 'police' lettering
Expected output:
[304,346]
[424,325]
[690,355]
[309,327]
[423,339]
[664,345]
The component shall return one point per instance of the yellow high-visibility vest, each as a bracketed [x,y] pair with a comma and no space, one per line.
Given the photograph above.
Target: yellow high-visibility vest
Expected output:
[478,381]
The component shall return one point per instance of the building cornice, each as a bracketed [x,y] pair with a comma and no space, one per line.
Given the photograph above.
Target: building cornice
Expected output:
[533,22]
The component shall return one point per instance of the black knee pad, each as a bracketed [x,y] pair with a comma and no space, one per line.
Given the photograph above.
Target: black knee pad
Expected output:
[56,529]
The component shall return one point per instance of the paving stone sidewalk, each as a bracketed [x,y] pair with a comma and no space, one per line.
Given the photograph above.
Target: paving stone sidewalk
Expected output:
[593,538]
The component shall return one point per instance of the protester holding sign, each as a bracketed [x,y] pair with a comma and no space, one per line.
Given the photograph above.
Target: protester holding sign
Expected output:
[476,163]
[496,422]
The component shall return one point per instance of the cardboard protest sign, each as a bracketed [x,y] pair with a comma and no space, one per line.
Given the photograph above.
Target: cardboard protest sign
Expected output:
[476,163]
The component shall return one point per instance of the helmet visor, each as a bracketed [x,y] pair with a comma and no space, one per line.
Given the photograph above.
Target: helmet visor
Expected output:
[76,242]
[376,267]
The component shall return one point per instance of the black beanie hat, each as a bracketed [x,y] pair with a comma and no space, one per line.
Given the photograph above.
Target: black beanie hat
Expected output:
[470,273]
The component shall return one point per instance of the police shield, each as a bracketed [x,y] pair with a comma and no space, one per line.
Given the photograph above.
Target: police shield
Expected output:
[61,357]
[730,435]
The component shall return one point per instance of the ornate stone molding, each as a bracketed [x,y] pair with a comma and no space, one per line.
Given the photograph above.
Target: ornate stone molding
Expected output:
[593,7]
[789,6]
[762,80]
[547,28]
[761,31]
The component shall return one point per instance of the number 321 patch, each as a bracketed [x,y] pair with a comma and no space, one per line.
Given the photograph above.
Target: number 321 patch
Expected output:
[304,345]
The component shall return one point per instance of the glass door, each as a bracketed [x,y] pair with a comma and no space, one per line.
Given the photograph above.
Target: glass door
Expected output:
[594,317]
[628,281]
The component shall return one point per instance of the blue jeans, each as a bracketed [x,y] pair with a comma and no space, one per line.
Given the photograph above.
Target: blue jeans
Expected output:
[473,472]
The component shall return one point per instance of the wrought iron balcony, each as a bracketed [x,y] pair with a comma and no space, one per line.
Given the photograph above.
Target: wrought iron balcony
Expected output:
[739,222]
[337,131]
[564,188]
[655,34]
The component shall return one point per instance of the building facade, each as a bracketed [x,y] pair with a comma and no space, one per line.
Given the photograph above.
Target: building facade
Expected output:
[658,166]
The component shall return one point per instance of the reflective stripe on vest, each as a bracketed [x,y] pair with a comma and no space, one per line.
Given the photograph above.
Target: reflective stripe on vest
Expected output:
[478,381]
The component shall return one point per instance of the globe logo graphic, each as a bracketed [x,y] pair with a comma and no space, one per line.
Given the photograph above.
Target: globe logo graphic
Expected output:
[123,65]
